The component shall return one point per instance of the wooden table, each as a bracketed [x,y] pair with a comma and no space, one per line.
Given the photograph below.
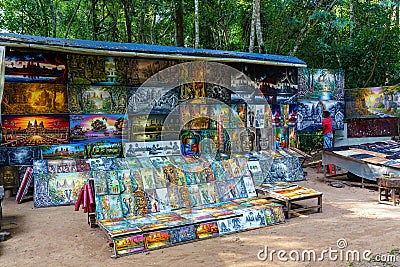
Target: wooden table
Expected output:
[388,185]
[291,204]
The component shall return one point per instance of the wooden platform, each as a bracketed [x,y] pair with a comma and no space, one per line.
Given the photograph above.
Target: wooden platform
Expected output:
[292,205]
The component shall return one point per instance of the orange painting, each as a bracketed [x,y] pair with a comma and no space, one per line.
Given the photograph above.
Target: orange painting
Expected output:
[33,98]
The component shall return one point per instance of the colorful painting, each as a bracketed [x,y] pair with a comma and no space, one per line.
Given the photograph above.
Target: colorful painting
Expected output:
[20,130]
[32,67]
[309,115]
[33,98]
[321,84]
[206,230]
[95,99]
[373,102]
[157,239]
[72,151]
[128,245]
[93,128]
[98,149]
[58,189]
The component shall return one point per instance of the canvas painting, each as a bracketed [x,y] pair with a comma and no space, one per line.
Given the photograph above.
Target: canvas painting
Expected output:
[217,92]
[231,225]
[309,115]
[279,85]
[82,165]
[321,84]
[162,100]
[22,155]
[287,169]
[40,167]
[58,189]
[182,234]
[97,70]
[206,230]
[192,90]
[253,218]
[89,128]
[24,130]
[146,127]
[130,244]
[100,148]
[372,102]
[35,67]
[140,70]
[95,99]
[34,98]
[67,151]
[157,239]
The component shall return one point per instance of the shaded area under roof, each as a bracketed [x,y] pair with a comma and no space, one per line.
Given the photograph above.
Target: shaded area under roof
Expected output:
[143,50]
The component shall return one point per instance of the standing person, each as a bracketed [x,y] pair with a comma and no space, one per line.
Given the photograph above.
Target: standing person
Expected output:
[327,129]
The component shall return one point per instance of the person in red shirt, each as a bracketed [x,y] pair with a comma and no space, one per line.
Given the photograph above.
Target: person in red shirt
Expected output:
[327,129]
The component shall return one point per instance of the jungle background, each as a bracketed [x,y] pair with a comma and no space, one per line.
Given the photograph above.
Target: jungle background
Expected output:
[361,37]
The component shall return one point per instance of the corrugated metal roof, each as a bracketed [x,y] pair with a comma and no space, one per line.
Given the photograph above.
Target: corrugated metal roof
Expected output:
[133,49]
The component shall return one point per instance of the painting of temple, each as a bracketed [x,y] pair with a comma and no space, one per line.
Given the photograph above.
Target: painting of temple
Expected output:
[34,98]
[35,67]
[93,99]
[20,130]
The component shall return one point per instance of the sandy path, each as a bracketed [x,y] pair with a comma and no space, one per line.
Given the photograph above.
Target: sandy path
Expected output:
[61,237]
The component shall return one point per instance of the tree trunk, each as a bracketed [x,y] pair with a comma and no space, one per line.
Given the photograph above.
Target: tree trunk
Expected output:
[261,47]
[128,21]
[352,20]
[179,40]
[53,18]
[141,23]
[196,24]
[72,19]
[252,28]
[94,20]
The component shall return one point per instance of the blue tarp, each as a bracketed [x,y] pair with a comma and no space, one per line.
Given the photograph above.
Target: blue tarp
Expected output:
[146,48]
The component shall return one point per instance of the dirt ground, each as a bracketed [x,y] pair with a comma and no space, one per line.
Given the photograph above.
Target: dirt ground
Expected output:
[60,236]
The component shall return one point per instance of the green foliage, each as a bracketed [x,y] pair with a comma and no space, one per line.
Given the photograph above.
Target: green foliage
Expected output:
[362,40]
